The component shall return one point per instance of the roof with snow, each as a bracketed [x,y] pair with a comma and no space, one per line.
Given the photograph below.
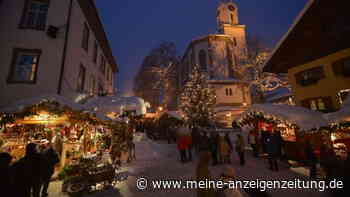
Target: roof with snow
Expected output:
[278,93]
[343,115]
[116,104]
[21,104]
[302,117]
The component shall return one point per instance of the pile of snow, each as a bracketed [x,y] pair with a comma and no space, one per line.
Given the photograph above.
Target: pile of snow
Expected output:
[343,115]
[302,117]
[21,104]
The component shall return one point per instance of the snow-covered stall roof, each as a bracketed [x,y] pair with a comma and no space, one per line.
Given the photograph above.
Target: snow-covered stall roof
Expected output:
[302,117]
[343,115]
[105,104]
[278,93]
[21,104]
[116,104]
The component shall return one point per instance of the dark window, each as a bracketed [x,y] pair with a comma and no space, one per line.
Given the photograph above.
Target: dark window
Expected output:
[107,73]
[35,14]
[92,85]
[24,66]
[81,79]
[86,37]
[342,67]
[103,64]
[203,60]
[234,41]
[310,76]
[95,52]
[226,91]
[230,92]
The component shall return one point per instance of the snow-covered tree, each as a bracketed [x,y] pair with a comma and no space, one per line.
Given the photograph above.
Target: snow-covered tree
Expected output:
[150,82]
[197,99]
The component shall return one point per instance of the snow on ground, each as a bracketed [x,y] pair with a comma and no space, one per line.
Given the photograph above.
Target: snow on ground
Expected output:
[161,161]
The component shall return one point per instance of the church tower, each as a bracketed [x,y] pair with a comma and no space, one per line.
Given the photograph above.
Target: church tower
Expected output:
[228,24]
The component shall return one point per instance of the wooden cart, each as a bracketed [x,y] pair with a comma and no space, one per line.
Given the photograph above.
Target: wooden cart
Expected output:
[89,178]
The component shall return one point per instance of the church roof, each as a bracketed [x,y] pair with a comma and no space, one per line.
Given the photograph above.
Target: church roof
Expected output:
[204,39]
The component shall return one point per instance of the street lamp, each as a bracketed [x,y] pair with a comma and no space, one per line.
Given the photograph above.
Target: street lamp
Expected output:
[160,108]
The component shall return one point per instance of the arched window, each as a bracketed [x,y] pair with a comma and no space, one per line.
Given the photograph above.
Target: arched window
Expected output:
[203,60]
[232,19]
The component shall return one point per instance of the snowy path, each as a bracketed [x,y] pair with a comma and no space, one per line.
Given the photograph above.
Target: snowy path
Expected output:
[161,161]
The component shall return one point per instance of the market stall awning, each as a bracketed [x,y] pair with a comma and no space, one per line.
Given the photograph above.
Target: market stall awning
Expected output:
[302,117]
[342,115]
[18,106]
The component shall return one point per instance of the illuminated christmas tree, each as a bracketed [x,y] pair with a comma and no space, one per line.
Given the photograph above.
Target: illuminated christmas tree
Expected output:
[197,100]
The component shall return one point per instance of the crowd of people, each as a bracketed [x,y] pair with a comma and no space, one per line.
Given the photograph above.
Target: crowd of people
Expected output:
[30,176]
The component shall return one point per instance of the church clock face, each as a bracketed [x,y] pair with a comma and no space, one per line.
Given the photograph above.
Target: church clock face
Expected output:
[231,7]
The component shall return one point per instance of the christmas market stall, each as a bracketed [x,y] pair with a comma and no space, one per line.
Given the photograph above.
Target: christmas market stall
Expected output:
[340,129]
[296,125]
[51,120]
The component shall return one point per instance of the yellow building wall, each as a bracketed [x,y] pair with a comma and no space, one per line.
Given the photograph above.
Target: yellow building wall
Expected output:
[328,86]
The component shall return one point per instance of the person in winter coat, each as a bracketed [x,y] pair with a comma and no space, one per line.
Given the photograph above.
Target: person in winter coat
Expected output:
[252,140]
[182,146]
[189,147]
[51,159]
[203,174]
[28,173]
[6,182]
[240,146]
[224,150]
[272,149]
[311,159]
[214,148]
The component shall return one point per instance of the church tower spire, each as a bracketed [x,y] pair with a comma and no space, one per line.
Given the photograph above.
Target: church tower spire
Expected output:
[227,13]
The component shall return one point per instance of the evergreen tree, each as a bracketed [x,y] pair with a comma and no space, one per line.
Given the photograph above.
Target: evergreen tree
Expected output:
[197,100]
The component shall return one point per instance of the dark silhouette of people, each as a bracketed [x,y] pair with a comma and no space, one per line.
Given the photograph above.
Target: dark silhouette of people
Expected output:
[182,146]
[27,173]
[273,150]
[214,148]
[240,146]
[6,182]
[51,159]
[311,159]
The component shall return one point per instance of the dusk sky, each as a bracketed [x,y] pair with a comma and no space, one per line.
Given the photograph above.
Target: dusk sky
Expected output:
[134,27]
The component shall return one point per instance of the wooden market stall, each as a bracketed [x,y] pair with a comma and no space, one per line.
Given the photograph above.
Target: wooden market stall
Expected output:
[50,119]
[296,124]
[340,129]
